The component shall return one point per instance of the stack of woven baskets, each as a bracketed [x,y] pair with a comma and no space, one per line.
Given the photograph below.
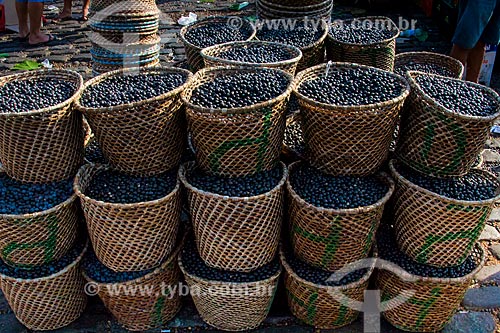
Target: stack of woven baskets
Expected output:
[124,34]
[273,9]
[43,147]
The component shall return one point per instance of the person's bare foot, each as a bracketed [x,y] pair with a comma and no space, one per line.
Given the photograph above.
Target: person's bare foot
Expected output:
[40,38]
[24,34]
[64,16]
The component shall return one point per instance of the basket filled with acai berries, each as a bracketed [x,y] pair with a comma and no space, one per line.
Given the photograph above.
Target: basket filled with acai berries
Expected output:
[428,62]
[349,114]
[369,41]
[136,116]
[213,31]
[445,124]
[253,54]
[132,220]
[237,118]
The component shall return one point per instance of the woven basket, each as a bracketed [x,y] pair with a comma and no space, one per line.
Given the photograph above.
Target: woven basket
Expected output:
[296,3]
[437,141]
[232,306]
[451,64]
[247,229]
[144,137]
[269,10]
[129,7]
[31,240]
[348,140]
[193,52]
[99,69]
[447,229]
[239,141]
[332,238]
[142,312]
[297,8]
[47,303]
[129,237]
[211,56]
[313,54]
[318,305]
[43,145]
[433,301]
[380,55]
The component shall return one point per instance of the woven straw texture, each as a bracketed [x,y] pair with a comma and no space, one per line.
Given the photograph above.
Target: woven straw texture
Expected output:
[347,140]
[145,137]
[239,141]
[129,237]
[267,9]
[232,306]
[145,312]
[446,62]
[297,3]
[313,54]
[212,56]
[318,305]
[328,238]
[47,303]
[247,229]
[447,229]
[125,7]
[193,52]
[44,145]
[432,301]
[437,141]
[40,238]
[99,69]
[380,55]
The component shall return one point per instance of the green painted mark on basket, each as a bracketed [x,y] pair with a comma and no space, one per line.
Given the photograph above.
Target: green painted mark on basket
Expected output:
[295,299]
[342,315]
[263,142]
[49,245]
[425,306]
[371,233]
[473,234]
[158,311]
[311,307]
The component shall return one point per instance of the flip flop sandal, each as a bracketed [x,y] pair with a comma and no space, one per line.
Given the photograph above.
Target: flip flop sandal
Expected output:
[51,39]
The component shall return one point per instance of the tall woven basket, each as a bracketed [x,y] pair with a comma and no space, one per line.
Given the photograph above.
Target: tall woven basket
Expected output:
[271,10]
[332,238]
[436,230]
[129,7]
[231,306]
[31,240]
[247,229]
[47,303]
[213,56]
[239,141]
[145,137]
[193,52]
[320,306]
[432,302]
[452,66]
[347,140]
[43,145]
[313,54]
[144,312]
[437,141]
[380,55]
[129,237]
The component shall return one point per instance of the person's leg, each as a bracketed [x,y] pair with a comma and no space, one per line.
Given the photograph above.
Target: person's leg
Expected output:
[460,54]
[85,9]
[35,10]
[474,62]
[67,9]
[22,16]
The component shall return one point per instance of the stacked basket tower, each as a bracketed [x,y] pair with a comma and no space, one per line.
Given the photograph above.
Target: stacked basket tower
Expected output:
[277,9]
[124,34]
[41,250]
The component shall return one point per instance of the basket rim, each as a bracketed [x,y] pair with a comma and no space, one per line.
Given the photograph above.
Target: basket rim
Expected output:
[182,176]
[426,54]
[231,69]
[54,275]
[105,167]
[321,39]
[141,71]
[399,177]
[294,276]
[397,31]
[411,75]
[417,278]
[43,73]
[296,52]
[170,259]
[313,9]
[208,19]
[347,211]
[324,3]
[299,79]
[54,209]
[270,279]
